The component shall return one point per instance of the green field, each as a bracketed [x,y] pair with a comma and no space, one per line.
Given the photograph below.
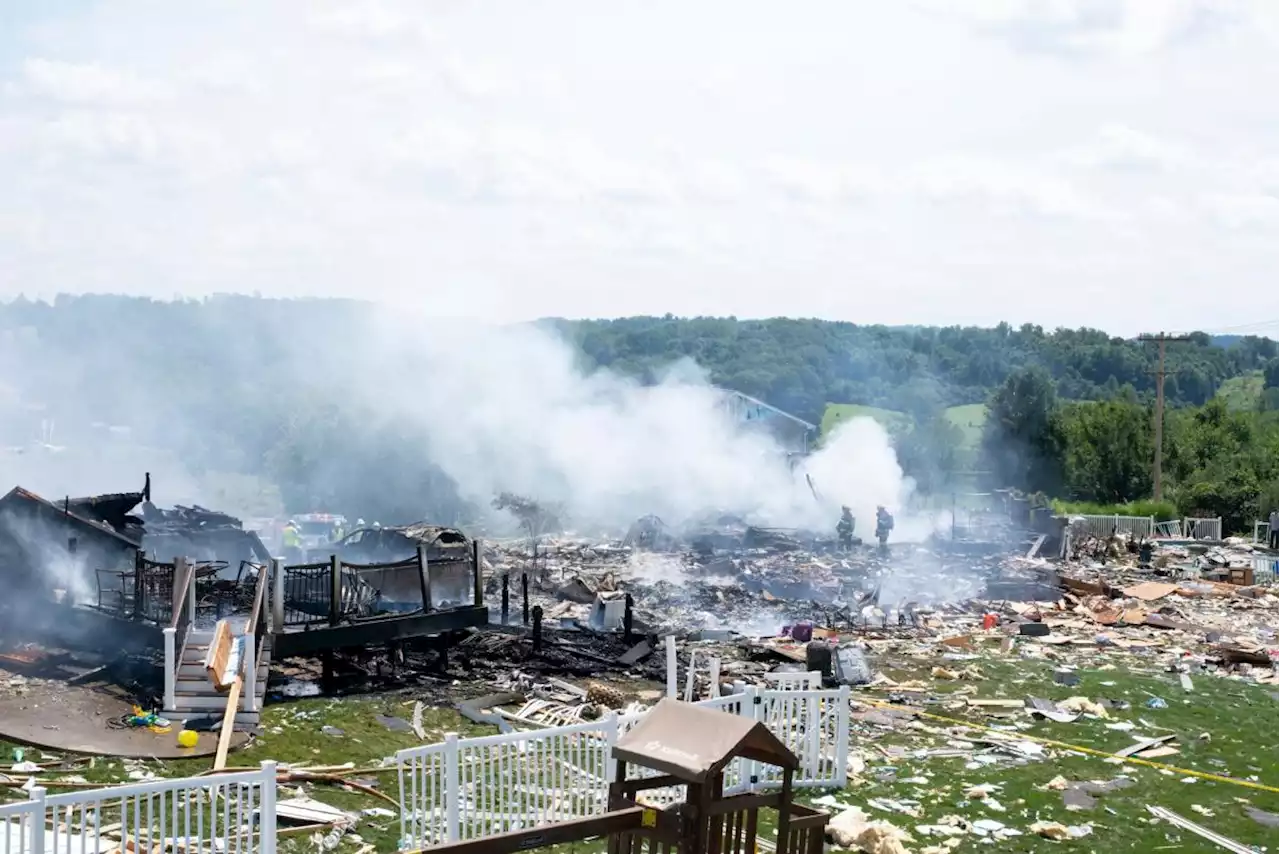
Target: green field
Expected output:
[968,417]
[836,413]
[1242,393]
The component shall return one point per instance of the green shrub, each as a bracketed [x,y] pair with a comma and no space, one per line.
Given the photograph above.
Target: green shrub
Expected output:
[1161,510]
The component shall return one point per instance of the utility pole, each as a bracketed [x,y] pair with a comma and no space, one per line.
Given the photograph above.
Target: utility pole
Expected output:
[1161,339]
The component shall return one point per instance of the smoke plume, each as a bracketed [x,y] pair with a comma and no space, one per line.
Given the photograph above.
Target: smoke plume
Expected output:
[511,409]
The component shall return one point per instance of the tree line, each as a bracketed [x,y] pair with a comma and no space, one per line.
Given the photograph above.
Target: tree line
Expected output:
[1218,461]
[256,387]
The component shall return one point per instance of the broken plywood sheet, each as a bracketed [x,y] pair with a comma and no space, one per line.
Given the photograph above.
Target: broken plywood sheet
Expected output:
[1149,591]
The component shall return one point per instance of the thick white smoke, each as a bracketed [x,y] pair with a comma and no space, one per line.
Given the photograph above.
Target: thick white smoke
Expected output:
[510,409]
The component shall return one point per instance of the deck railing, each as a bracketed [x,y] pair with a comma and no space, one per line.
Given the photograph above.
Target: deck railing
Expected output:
[336,592]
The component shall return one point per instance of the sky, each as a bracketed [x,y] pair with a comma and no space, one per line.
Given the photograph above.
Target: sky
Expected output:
[1107,163]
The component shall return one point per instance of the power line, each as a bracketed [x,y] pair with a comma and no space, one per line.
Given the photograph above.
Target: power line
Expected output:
[1261,324]
[1161,339]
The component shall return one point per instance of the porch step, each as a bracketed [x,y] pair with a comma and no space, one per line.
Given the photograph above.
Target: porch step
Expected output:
[244,720]
[196,670]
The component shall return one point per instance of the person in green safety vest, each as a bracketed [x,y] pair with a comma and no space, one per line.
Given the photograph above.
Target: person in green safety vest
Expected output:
[291,539]
[337,532]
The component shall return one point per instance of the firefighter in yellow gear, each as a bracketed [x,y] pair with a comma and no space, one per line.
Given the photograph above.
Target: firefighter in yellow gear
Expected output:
[291,539]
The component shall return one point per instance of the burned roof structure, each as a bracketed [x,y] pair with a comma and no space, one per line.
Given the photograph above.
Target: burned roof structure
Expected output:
[200,534]
[72,538]
[44,544]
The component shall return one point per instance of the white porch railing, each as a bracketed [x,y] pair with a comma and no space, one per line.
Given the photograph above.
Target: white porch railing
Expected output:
[464,789]
[218,813]
[1264,570]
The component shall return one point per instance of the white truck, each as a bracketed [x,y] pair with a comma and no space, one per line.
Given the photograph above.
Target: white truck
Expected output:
[316,532]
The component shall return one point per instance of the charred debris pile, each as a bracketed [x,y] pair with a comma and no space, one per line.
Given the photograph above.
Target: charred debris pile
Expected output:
[758,593]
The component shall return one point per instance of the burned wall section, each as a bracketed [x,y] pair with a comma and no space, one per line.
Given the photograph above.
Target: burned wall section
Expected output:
[44,549]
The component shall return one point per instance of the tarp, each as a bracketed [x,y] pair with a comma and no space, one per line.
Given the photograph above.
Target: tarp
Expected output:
[694,743]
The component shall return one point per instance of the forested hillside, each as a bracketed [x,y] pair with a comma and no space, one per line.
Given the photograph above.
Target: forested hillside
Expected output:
[265,391]
[801,365]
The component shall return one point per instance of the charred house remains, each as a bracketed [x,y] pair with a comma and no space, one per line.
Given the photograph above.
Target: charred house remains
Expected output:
[115,566]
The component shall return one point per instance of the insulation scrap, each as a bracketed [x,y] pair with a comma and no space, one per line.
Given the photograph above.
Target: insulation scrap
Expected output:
[1085,705]
[853,829]
[1054,830]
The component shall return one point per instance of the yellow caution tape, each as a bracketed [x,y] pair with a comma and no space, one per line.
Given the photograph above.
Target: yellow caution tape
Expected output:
[1217,778]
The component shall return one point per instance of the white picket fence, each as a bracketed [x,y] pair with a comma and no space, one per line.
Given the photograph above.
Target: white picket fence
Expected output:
[218,813]
[464,789]
[1264,570]
[1102,526]
[1202,529]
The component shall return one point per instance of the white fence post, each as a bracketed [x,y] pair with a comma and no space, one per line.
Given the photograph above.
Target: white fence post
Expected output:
[610,739]
[267,810]
[715,678]
[750,708]
[170,667]
[671,666]
[842,738]
[813,733]
[452,787]
[250,702]
[37,820]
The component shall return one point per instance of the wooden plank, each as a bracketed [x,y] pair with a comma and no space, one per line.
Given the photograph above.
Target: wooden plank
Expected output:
[219,653]
[228,726]
[550,834]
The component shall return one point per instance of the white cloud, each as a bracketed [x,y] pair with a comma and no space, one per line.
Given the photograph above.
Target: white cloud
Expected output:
[1129,28]
[368,20]
[548,160]
[813,181]
[88,83]
[1124,148]
[1237,212]
[1001,188]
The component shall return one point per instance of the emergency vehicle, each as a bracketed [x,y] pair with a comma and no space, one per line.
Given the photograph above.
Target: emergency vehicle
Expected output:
[315,530]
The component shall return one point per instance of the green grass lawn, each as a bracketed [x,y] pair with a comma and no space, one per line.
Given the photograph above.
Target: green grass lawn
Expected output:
[294,732]
[1242,392]
[1223,727]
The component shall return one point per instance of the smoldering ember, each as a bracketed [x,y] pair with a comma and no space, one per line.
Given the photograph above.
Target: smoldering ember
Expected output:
[418,686]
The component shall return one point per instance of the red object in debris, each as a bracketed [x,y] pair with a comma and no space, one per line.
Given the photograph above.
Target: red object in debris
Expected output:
[989,622]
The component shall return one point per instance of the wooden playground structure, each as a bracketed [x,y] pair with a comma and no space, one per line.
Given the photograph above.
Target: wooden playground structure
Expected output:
[681,745]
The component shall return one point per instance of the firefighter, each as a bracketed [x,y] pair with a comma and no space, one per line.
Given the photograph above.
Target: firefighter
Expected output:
[292,539]
[844,528]
[336,535]
[884,524]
